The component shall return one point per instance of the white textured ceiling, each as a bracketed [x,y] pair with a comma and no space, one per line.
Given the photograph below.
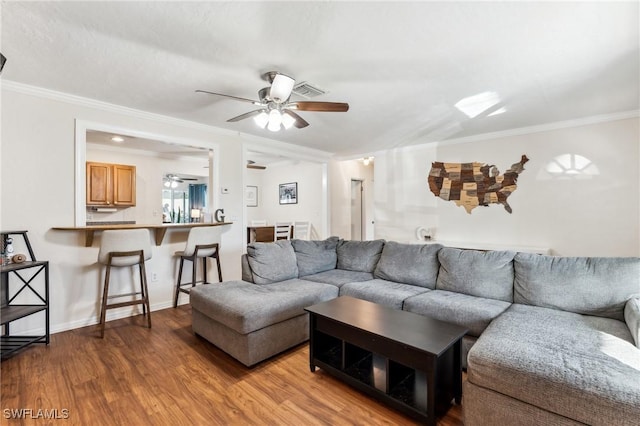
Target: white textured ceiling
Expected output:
[401,66]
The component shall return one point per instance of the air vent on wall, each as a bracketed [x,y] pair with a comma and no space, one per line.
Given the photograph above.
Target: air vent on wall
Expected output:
[308,91]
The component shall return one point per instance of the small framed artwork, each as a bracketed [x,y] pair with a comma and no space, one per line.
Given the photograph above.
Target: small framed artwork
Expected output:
[251,195]
[289,193]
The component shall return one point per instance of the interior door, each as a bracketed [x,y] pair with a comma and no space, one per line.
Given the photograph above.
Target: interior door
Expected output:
[357,221]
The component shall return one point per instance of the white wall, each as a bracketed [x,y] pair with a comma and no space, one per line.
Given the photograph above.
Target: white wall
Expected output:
[37,185]
[587,216]
[309,207]
[150,169]
[340,175]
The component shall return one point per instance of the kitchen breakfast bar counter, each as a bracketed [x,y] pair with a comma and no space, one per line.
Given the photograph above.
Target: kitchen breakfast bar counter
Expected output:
[159,229]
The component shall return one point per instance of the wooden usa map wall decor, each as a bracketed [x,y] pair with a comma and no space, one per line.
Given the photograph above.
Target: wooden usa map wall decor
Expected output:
[474,184]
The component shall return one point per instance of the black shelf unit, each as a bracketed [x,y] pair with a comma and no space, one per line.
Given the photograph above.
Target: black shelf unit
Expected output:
[408,361]
[17,279]
[395,383]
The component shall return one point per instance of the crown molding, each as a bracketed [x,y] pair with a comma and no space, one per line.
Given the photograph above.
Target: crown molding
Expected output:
[105,106]
[547,127]
[256,141]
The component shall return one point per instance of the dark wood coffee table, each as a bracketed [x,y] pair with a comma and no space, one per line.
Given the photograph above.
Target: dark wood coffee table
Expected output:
[409,361]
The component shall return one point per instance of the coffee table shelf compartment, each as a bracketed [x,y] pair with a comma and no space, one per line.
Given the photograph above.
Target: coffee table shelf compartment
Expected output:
[358,371]
[29,278]
[419,379]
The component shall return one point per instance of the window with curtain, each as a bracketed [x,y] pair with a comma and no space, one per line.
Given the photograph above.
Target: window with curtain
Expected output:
[198,196]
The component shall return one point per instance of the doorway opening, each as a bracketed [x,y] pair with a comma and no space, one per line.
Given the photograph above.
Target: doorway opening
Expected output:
[154,156]
[357,210]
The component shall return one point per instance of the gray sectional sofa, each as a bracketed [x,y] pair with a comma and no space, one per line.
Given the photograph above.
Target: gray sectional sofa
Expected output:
[551,340]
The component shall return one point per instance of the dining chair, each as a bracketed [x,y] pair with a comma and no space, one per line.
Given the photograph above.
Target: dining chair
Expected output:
[301,230]
[282,231]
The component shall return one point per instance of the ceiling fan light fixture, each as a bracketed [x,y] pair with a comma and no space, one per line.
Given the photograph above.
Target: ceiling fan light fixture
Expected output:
[275,120]
[281,88]
[170,183]
[261,119]
[288,121]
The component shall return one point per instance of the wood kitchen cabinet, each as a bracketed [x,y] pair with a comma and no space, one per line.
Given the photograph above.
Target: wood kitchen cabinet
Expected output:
[111,185]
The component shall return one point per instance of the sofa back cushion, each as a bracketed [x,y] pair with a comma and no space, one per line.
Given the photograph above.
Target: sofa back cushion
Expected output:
[597,286]
[272,262]
[477,273]
[415,264]
[359,256]
[314,257]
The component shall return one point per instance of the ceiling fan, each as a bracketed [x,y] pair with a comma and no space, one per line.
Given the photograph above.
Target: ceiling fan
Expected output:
[176,178]
[252,165]
[276,109]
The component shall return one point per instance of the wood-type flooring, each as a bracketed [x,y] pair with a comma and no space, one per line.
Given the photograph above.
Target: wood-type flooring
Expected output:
[168,376]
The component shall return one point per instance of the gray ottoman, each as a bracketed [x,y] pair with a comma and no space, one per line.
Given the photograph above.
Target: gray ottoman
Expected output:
[253,322]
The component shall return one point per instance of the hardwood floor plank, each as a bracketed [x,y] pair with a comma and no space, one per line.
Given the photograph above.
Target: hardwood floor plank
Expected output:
[169,376]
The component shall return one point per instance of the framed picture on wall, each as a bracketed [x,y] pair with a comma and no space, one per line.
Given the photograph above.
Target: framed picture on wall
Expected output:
[251,195]
[289,193]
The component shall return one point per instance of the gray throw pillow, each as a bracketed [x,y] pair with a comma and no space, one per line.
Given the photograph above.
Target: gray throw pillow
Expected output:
[415,264]
[632,318]
[315,256]
[477,273]
[359,256]
[272,262]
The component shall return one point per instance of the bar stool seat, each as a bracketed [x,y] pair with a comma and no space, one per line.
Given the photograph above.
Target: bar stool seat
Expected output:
[125,248]
[202,243]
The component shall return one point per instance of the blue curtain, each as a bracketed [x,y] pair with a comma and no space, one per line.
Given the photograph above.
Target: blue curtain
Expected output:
[197,195]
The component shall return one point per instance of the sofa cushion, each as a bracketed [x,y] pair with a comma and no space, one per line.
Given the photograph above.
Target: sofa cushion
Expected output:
[586,285]
[477,273]
[471,312]
[359,256]
[272,262]
[246,307]
[315,256]
[415,264]
[582,367]
[339,277]
[632,318]
[384,292]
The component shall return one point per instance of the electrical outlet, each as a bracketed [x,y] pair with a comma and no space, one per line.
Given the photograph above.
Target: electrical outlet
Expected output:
[154,276]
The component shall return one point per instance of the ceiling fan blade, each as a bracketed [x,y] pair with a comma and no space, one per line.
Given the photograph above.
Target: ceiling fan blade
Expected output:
[281,88]
[245,115]
[231,97]
[252,165]
[300,122]
[320,106]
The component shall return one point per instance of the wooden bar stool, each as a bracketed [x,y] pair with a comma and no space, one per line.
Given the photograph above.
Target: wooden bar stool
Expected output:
[202,243]
[125,248]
